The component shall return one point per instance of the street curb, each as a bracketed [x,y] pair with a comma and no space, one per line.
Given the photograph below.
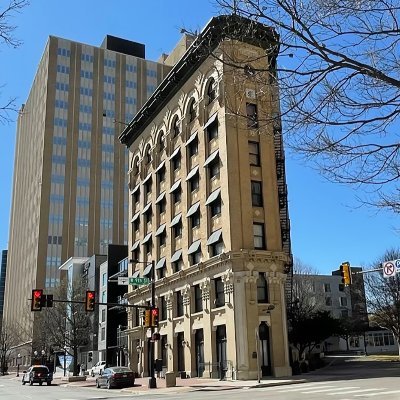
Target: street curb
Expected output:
[271,384]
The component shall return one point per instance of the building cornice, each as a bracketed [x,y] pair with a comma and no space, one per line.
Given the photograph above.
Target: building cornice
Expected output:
[218,29]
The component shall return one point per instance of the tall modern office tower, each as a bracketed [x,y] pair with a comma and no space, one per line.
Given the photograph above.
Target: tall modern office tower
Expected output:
[3,269]
[70,190]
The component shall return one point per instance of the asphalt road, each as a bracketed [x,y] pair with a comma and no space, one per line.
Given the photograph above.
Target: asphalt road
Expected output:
[343,380]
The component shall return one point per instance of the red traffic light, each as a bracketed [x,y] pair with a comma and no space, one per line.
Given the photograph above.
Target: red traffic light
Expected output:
[90,300]
[154,311]
[36,301]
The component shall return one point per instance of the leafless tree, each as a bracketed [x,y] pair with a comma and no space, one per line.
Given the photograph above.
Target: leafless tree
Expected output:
[66,325]
[10,336]
[338,76]
[7,29]
[383,296]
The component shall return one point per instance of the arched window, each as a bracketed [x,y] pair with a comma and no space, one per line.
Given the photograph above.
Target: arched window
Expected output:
[175,127]
[148,155]
[192,110]
[135,168]
[161,141]
[211,94]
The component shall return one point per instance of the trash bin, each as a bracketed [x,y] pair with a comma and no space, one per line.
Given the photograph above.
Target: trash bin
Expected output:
[183,374]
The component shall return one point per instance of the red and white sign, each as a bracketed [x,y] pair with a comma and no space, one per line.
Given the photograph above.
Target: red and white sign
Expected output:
[389,269]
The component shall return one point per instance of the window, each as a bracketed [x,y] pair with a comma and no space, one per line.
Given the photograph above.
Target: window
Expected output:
[192,110]
[136,196]
[162,206]
[345,313]
[148,157]
[258,233]
[211,94]
[161,174]
[179,304]
[256,194]
[148,215]
[254,153]
[194,252]
[193,147]
[103,334]
[341,287]
[262,289]
[215,207]
[212,130]
[198,299]
[177,195]
[136,225]
[328,301]
[176,128]
[327,287]
[163,308]
[103,315]
[177,265]
[176,162]
[219,292]
[217,248]
[343,301]
[177,230]
[162,237]
[214,169]
[148,246]
[161,141]
[251,111]
[194,182]
[195,219]
[104,279]
[147,186]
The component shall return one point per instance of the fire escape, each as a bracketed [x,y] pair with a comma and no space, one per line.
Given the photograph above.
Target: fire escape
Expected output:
[283,205]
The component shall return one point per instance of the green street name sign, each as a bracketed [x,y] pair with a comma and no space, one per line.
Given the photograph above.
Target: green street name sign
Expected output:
[139,281]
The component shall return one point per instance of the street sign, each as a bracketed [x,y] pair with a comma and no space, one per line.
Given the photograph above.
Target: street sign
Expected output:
[123,280]
[389,269]
[139,281]
[397,262]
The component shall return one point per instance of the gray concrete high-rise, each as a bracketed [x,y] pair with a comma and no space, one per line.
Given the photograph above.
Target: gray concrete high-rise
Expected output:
[70,195]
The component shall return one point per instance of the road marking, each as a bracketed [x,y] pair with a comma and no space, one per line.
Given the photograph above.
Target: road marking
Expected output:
[329,390]
[377,394]
[305,386]
[354,391]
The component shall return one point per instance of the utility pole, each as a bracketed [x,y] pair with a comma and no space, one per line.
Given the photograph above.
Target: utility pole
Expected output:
[152,379]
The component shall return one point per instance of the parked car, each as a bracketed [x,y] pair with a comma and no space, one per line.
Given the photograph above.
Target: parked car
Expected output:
[116,377]
[37,374]
[98,368]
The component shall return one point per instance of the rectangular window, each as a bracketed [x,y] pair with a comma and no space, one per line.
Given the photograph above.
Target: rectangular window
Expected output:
[177,265]
[254,153]
[103,315]
[195,220]
[194,183]
[163,308]
[198,299]
[104,296]
[193,147]
[256,194]
[214,169]
[219,292]
[259,238]
[162,239]
[212,131]
[262,289]
[176,162]
[251,111]
[179,304]
[196,256]
[161,174]
[177,195]
[343,301]
[103,334]
[328,301]
[341,287]
[162,206]
[178,230]
[327,287]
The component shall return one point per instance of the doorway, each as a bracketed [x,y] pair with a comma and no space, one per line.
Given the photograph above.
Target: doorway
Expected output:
[265,358]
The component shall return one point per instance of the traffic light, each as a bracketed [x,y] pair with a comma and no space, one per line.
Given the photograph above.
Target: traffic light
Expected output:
[345,273]
[154,317]
[49,300]
[36,300]
[147,318]
[90,300]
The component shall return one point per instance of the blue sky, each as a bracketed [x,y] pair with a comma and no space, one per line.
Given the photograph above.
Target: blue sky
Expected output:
[328,226]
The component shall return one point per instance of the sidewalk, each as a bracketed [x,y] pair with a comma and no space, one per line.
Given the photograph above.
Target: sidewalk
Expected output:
[188,384]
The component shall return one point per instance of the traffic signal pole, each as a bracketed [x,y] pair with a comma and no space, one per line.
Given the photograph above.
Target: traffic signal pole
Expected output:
[152,379]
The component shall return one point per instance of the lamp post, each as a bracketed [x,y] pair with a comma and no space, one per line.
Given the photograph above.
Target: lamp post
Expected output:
[65,360]
[35,357]
[18,363]
[43,357]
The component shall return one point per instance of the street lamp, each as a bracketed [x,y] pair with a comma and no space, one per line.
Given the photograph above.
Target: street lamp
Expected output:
[18,363]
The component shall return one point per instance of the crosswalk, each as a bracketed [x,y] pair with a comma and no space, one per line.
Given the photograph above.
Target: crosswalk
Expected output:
[333,389]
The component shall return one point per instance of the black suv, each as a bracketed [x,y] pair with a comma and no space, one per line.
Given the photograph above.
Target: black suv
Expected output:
[37,374]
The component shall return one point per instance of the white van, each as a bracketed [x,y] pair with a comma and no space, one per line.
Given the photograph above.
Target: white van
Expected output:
[98,368]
